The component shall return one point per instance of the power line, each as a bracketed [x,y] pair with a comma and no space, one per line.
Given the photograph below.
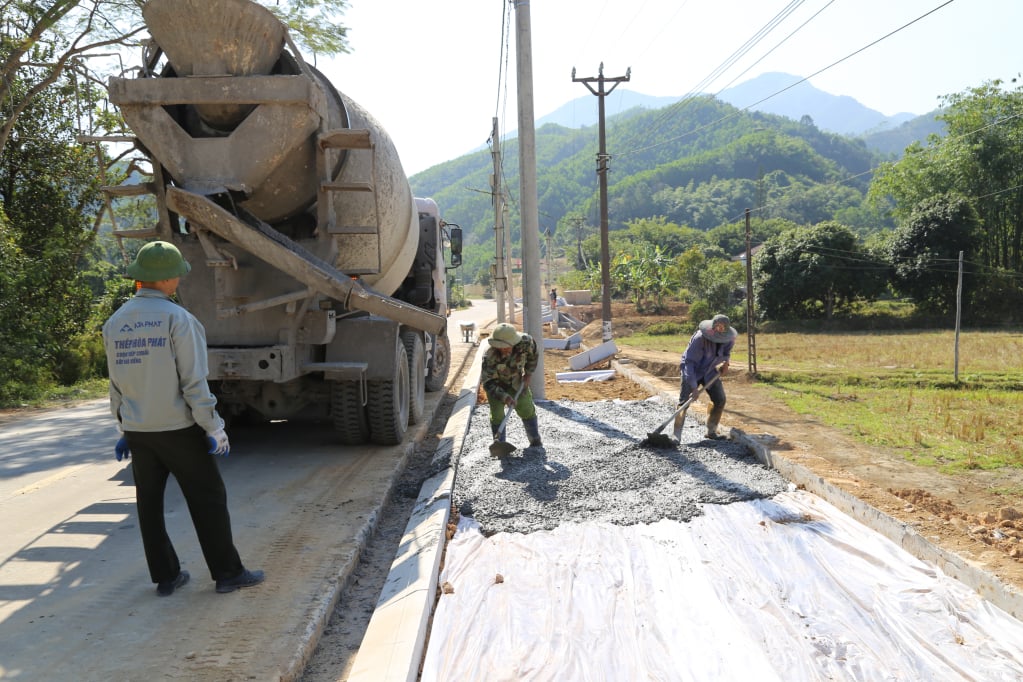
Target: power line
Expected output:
[782,42]
[721,68]
[688,97]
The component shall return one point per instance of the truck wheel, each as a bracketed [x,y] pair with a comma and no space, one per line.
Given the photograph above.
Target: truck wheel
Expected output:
[389,402]
[348,414]
[416,354]
[440,364]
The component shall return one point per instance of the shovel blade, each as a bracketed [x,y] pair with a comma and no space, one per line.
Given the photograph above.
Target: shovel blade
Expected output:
[501,448]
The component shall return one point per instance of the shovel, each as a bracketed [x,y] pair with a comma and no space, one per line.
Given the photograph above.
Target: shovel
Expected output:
[501,448]
[657,438]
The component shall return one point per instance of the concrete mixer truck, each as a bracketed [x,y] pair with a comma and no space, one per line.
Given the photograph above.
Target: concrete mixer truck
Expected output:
[320,279]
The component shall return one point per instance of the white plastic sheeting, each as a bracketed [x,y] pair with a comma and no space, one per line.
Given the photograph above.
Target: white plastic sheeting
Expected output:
[583,377]
[787,588]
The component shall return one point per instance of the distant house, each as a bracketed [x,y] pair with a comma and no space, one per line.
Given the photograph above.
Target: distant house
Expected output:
[753,251]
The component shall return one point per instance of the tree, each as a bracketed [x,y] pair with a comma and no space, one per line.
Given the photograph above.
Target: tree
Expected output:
[50,191]
[732,237]
[42,42]
[924,251]
[645,272]
[812,272]
[980,159]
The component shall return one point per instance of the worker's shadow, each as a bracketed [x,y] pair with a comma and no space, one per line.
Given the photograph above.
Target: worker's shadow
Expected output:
[540,475]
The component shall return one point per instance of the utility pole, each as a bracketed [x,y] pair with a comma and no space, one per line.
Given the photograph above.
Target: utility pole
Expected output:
[532,298]
[510,278]
[751,334]
[580,262]
[602,159]
[500,281]
[959,308]
[547,242]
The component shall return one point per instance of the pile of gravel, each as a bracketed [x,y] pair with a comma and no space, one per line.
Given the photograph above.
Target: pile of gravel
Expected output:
[595,466]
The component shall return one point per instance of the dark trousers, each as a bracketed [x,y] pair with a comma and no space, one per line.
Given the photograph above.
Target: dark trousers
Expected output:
[716,393]
[183,454]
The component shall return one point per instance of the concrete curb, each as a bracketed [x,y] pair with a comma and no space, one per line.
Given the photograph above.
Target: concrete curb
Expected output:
[983,583]
[395,640]
[327,599]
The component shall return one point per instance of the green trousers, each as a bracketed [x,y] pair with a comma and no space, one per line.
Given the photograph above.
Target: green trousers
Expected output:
[524,407]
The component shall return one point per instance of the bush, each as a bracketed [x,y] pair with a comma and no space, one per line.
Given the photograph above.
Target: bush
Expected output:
[669,329]
[700,310]
[22,381]
[84,358]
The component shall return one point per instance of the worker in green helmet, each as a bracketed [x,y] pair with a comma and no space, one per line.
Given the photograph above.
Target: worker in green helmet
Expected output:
[156,359]
[508,365]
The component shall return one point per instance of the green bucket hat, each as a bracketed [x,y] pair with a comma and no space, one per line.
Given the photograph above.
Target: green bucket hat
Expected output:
[157,261]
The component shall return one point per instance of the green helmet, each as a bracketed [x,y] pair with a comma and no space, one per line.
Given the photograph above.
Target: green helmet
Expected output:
[157,261]
[504,336]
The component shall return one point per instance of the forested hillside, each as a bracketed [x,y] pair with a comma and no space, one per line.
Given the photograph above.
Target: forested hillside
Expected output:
[841,221]
[700,164]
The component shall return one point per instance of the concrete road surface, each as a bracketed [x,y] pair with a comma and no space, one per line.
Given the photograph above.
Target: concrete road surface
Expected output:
[76,602]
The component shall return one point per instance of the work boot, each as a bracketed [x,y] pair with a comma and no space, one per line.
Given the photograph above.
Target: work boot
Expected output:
[713,419]
[166,588]
[533,432]
[246,578]
[494,431]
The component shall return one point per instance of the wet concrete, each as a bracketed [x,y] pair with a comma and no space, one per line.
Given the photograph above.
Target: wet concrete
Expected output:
[595,466]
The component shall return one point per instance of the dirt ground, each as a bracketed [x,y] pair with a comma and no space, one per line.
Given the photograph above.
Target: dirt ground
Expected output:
[961,513]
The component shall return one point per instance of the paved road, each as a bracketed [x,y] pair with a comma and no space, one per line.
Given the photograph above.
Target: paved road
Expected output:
[75,597]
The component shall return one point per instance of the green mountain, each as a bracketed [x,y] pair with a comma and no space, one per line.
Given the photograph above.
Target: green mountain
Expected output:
[699,163]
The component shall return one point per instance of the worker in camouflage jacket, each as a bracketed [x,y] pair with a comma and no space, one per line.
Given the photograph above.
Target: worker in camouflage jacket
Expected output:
[508,365]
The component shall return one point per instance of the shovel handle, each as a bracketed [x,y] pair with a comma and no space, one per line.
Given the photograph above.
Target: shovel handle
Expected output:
[508,412]
[689,401]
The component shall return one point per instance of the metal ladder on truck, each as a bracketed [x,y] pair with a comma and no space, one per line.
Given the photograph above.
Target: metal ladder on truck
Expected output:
[348,140]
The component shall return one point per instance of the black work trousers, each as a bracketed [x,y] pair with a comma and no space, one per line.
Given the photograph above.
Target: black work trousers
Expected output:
[184,455]
[716,392]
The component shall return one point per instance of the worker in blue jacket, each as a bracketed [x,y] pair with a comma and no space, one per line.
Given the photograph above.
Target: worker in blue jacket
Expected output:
[707,356]
[156,359]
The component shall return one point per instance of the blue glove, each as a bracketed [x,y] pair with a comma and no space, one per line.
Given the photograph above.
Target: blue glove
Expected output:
[218,443]
[121,450]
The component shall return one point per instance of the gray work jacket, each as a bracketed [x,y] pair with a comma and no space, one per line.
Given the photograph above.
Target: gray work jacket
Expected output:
[156,357]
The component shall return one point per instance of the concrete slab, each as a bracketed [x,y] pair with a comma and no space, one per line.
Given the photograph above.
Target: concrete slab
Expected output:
[592,356]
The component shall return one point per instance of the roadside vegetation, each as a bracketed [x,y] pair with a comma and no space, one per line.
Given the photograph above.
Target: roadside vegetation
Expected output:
[894,389]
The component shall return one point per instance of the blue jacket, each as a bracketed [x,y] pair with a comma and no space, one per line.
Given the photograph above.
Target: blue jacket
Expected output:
[701,357]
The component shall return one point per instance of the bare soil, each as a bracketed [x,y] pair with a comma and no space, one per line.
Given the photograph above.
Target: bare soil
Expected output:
[963,513]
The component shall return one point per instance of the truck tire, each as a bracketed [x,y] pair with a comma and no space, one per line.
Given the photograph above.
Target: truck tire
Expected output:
[440,364]
[416,354]
[388,404]
[348,414]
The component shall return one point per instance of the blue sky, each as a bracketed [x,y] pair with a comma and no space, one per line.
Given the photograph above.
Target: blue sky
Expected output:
[429,71]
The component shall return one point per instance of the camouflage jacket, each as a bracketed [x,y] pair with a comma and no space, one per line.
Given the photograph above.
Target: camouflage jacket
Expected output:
[503,375]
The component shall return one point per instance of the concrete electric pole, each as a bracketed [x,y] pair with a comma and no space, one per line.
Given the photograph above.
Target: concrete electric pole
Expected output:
[532,297]
[602,159]
[500,281]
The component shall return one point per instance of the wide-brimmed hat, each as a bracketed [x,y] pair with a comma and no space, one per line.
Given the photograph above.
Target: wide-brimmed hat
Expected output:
[504,336]
[157,261]
[707,327]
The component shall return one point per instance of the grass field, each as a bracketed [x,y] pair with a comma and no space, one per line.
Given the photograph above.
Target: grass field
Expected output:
[897,389]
